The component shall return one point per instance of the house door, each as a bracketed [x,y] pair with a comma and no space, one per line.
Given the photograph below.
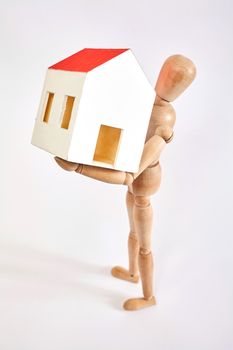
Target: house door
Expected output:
[107,144]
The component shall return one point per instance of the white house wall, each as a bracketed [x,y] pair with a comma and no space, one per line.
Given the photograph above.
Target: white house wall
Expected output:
[116,94]
[50,136]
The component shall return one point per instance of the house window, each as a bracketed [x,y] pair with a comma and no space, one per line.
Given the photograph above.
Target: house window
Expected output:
[69,102]
[50,96]
[107,144]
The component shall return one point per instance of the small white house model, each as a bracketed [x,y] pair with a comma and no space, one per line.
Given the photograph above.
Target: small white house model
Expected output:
[95,109]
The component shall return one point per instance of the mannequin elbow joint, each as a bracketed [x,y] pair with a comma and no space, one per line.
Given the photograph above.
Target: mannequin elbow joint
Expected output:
[129,178]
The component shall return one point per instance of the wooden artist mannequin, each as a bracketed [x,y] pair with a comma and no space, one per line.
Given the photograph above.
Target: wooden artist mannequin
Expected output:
[175,76]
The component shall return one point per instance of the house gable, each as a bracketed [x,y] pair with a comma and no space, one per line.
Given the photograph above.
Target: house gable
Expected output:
[118,95]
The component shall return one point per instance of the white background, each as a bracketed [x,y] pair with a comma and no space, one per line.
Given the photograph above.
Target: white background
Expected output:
[60,233]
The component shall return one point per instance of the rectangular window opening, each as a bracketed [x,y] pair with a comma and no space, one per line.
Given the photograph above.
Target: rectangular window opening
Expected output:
[107,144]
[50,96]
[67,112]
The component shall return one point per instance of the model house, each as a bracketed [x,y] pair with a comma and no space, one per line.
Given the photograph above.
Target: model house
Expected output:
[95,109]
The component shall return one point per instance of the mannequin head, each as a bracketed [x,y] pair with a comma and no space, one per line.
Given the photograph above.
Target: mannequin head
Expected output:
[176,74]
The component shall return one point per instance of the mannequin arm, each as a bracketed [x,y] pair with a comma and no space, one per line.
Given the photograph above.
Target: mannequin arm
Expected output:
[151,153]
[94,172]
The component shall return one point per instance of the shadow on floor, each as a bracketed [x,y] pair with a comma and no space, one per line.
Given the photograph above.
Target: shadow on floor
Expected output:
[41,275]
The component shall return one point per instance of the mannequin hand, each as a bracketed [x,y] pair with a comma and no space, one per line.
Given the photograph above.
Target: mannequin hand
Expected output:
[66,165]
[105,175]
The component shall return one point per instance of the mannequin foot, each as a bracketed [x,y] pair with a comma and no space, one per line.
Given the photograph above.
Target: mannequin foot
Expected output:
[123,274]
[138,303]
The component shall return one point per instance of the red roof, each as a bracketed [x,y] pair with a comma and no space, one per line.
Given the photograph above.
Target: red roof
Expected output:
[87,59]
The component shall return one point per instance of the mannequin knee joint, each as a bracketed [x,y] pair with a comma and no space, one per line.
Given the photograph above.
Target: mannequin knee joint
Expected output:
[142,201]
[144,251]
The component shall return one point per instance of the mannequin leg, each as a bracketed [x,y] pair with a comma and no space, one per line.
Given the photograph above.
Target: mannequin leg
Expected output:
[131,274]
[142,215]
